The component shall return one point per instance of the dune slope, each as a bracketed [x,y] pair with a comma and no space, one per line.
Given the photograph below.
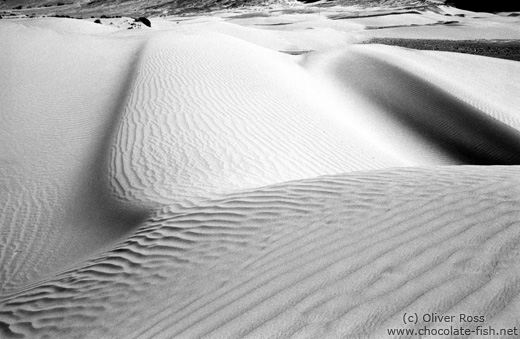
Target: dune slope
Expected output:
[61,96]
[469,123]
[210,114]
[333,256]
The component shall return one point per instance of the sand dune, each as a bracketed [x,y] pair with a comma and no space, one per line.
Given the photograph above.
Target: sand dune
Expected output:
[256,127]
[334,256]
[190,180]
[450,121]
[60,101]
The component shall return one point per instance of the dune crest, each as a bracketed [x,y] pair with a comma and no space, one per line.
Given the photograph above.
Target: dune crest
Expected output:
[335,255]
[61,98]
[255,126]
[459,124]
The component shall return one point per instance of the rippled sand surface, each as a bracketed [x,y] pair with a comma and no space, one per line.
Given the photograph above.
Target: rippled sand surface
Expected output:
[191,179]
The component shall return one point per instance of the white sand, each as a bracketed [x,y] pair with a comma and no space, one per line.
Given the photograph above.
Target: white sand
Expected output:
[189,180]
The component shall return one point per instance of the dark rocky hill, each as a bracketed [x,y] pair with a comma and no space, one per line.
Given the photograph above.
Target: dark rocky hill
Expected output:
[136,8]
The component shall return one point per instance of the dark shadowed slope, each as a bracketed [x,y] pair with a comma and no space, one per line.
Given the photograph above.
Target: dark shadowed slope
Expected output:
[459,129]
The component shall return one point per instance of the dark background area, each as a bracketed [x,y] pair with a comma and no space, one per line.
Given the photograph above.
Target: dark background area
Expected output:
[486,6]
[146,8]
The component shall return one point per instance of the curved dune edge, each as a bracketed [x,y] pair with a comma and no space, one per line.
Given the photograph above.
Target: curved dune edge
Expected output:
[194,184]
[334,256]
[212,114]
[61,99]
[468,123]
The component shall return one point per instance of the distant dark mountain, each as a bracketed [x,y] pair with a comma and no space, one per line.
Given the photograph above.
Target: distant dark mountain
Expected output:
[486,6]
[82,8]
[136,8]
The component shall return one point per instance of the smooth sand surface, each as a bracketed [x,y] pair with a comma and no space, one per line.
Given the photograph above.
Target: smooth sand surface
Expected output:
[189,180]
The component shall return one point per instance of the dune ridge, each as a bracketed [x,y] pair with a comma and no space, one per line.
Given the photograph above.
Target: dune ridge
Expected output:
[459,128]
[321,256]
[184,97]
[55,197]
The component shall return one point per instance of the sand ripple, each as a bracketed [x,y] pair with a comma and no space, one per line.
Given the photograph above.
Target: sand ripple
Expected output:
[330,256]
